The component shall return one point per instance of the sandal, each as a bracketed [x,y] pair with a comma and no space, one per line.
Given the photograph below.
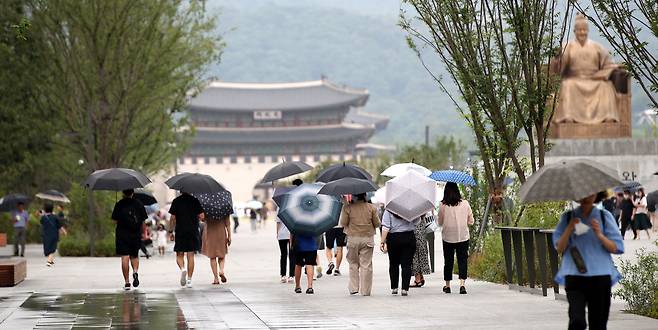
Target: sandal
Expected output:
[416,284]
[223,278]
[298,290]
[215,282]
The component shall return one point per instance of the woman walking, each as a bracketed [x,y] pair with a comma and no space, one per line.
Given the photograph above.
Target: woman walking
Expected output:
[51,225]
[455,216]
[641,218]
[359,221]
[216,240]
[586,238]
[626,214]
[287,258]
[399,240]
[421,264]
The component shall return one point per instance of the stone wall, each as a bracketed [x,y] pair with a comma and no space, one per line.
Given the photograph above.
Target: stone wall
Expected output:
[634,159]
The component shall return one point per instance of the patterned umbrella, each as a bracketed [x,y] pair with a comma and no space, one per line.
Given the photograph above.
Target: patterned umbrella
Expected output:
[568,181]
[285,170]
[339,171]
[410,195]
[304,212]
[453,176]
[116,179]
[216,205]
[53,196]
[402,168]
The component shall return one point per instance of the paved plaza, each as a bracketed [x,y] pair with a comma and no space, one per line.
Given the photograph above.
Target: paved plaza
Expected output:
[86,292]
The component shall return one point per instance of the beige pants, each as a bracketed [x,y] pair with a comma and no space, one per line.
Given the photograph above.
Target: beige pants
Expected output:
[359,255]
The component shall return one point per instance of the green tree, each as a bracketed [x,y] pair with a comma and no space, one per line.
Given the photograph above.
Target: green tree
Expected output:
[497,53]
[118,75]
[622,23]
[445,152]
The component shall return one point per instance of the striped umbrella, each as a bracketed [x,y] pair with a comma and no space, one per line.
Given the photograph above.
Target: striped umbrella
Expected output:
[453,176]
[304,212]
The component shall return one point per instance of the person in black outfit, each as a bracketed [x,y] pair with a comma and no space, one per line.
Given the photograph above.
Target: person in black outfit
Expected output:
[186,212]
[626,216]
[129,215]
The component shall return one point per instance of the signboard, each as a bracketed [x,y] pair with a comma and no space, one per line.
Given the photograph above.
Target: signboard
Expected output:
[267,115]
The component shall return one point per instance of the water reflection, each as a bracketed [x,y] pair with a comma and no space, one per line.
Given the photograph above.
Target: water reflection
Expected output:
[129,310]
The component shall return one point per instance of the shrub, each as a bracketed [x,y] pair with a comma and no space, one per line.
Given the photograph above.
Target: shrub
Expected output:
[75,246]
[489,264]
[639,285]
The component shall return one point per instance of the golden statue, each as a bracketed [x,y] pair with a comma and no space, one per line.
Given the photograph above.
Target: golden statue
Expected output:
[587,94]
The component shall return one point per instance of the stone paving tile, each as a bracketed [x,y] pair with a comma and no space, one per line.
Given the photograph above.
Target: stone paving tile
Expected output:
[217,308]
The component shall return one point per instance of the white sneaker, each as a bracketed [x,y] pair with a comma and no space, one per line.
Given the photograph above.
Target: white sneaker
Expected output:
[284,279]
[188,284]
[183,276]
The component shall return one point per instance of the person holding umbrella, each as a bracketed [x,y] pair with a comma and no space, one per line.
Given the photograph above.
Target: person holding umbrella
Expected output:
[455,215]
[216,237]
[129,215]
[399,241]
[186,212]
[360,222]
[587,238]
[51,225]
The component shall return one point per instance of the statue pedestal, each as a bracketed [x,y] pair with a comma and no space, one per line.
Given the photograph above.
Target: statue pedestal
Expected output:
[585,131]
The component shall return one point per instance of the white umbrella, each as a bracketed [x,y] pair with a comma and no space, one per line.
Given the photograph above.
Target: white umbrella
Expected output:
[410,195]
[402,168]
[254,204]
[380,196]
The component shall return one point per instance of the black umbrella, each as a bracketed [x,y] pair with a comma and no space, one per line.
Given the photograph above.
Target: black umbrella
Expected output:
[116,179]
[285,170]
[631,186]
[194,183]
[339,171]
[216,205]
[652,200]
[9,202]
[53,196]
[145,197]
[348,186]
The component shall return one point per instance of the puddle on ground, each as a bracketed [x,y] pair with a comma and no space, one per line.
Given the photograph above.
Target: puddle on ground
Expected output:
[129,310]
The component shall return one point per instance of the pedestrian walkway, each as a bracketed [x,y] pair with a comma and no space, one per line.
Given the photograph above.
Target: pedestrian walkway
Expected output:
[87,291]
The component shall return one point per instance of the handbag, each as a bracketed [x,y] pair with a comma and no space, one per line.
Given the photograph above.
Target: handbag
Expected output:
[430,224]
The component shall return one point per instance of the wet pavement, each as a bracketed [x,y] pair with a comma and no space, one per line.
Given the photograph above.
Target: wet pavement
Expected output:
[81,293]
[130,310]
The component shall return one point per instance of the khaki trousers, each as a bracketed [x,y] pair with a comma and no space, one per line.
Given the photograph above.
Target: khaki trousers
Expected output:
[359,255]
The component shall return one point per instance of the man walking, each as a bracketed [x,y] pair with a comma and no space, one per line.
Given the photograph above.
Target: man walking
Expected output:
[186,212]
[20,219]
[129,215]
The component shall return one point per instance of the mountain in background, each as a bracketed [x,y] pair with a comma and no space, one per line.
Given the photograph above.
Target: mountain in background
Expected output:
[356,43]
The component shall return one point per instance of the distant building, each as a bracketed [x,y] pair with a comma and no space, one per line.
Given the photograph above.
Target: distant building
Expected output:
[243,129]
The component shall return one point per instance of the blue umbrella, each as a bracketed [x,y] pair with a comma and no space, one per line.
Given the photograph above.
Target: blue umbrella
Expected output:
[304,212]
[453,176]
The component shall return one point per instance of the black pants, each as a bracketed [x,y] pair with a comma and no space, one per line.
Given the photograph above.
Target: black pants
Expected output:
[236,224]
[593,292]
[401,250]
[625,223]
[449,258]
[287,258]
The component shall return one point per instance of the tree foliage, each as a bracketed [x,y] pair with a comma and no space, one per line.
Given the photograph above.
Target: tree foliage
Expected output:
[622,22]
[497,53]
[118,72]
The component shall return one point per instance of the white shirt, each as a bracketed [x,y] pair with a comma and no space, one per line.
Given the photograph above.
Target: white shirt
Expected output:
[283,232]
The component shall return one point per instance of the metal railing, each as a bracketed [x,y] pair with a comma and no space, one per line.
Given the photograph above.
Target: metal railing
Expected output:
[529,254]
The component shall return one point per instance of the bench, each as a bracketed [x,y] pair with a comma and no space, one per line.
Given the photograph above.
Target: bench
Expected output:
[12,271]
